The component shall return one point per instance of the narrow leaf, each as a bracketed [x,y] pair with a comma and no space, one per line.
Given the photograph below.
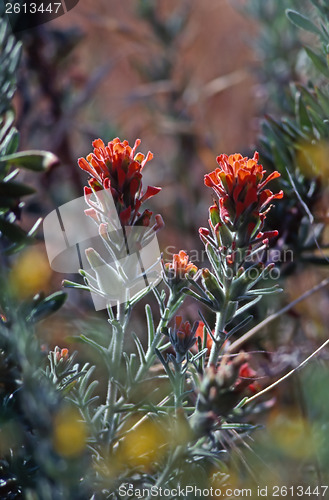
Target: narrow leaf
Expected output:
[139,349]
[318,61]
[302,22]
[150,324]
[38,161]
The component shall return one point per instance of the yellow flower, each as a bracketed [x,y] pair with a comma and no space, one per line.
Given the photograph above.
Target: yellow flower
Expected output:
[70,433]
[30,273]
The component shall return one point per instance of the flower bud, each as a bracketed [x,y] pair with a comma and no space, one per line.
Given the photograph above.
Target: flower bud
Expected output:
[182,337]
[212,286]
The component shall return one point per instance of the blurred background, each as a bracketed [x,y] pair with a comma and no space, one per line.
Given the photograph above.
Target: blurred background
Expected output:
[192,80]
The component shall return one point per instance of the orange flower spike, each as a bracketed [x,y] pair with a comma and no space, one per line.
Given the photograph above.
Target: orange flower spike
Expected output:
[118,167]
[182,265]
[182,337]
[239,184]
[174,273]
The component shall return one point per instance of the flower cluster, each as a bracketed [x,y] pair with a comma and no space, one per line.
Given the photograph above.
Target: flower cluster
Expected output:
[243,200]
[117,167]
[182,337]
[221,388]
[61,354]
[175,273]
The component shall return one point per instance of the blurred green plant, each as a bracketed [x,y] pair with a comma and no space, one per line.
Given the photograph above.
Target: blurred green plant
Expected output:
[176,407]
[30,464]
[297,145]
[277,47]
[11,190]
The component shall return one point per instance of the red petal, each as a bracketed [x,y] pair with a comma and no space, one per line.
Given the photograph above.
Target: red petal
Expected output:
[240,208]
[251,196]
[91,212]
[151,191]
[272,176]
[137,143]
[178,320]
[98,143]
[84,165]
[125,216]
[121,178]
[134,187]
[149,157]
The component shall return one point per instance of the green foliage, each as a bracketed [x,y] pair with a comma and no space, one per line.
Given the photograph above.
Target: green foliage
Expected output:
[10,190]
[277,46]
[29,401]
[296,144]
[165,418]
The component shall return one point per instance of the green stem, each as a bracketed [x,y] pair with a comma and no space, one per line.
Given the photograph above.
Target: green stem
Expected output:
[172,458]
[115,356]
[219,336]
[221,319]
[179,385]
[150,353]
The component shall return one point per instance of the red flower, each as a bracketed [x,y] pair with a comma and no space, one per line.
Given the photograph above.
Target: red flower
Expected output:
[200,333]
[61,354]
[246,379]
[182,337]
[243,200]
[118,168]
[175,272]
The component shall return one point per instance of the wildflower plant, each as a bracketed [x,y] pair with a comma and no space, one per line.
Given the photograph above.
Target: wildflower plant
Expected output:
[235,236]
[174,404]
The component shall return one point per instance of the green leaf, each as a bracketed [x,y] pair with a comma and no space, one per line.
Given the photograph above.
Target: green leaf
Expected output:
[140,349]
[205,301]
[38,161]
[47,306]
[199,354]
[6,123]
[166,366]
[6,202]
[129,369]
[72,284]
[240,325]
[150,324]
[302,114]
[12,232]
[240,426]
[138,296]
[15,189]
[302,22]
[245,307]
[318,61]
[241,403]
[98,347]
[265,291]
[87,394]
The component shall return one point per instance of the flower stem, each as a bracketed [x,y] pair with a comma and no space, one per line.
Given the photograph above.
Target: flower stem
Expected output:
[179,386]
[116,346]
[165,318]
[219,337]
